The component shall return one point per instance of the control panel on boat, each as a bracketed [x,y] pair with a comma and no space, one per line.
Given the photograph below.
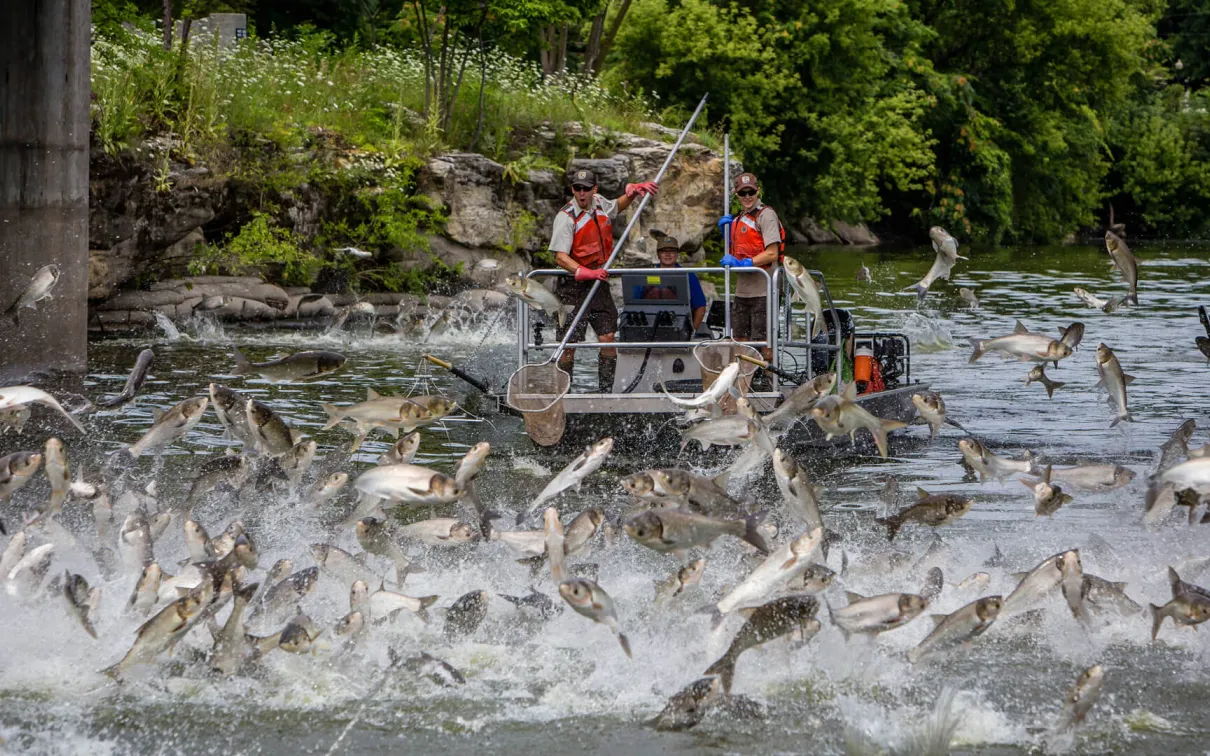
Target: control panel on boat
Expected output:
[655,307]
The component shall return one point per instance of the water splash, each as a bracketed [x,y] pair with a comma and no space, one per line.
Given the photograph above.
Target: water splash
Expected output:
[926,333]
[171,333]
[937,731]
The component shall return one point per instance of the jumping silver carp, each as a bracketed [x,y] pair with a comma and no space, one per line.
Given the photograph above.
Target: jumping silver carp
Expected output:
[801,400]
[1038,374]
[536,296]
[722,384]
[933,510]
[589,461]
[673,530]
[690,705]
[946,248]
[274,437]
[133,382]
[1048,498]
[801,498]
[1126,263]
[787,562]
[37,290]
[1062,570]
[19,396]
[170,426]
[590,600]
[842,416]
[301,366]
[1083,695]
[1114,381]
[931,407]
[959,628]
[876,614]
[765,623]
[158,633]
[1025,346]
[807,292]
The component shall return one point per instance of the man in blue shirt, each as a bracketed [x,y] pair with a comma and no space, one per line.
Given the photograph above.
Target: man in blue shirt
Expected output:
[667,251]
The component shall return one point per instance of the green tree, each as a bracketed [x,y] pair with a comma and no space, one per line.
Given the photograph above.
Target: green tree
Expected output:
[815,94]
[1022,91]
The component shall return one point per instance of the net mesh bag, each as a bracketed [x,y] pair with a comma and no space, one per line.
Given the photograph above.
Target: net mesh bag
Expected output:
[537,391]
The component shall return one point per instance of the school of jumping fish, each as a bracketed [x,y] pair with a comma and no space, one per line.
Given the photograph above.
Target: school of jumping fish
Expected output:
[221,598]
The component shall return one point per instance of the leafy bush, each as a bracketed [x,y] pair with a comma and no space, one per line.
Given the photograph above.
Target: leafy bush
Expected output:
[256,246]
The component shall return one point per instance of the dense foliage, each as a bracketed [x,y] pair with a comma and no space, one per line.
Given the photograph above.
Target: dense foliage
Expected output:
[1022,120]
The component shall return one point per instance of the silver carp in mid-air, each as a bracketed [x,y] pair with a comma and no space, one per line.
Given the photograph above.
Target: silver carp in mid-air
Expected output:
[536,296]
[589,461]
[590,600]
[801,400]
[801,498]
[38,289]
[1025,346]
[301,366]
[933,510]
[876,614]
[133,382]
[1126,262]
[1038,374]
[1114,381]
[807,292]
[958,628]
[19,396]
[946,248]
[170,426]
[840,415]
[722,384]
[1062,571]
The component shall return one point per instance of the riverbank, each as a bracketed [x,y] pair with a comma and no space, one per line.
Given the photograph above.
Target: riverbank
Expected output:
[240,176]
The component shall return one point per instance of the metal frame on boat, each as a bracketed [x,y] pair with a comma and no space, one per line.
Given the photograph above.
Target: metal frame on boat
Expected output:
[642,409]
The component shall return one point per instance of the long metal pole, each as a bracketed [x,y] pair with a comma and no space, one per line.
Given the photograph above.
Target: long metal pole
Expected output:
[617,245]
[727,234]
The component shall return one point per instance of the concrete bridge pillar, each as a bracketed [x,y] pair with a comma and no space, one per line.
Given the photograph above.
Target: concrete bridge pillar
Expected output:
[44,122]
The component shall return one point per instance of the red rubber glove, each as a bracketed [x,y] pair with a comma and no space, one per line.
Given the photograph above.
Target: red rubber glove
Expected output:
[638,190]
[588,274]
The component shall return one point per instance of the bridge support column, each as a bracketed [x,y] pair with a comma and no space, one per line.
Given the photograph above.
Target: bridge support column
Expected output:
[44,122]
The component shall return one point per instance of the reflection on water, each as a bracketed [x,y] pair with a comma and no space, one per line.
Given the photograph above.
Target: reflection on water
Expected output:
[565,684]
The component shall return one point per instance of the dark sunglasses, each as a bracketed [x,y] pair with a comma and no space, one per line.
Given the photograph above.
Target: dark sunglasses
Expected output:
[581,188]
[747,193]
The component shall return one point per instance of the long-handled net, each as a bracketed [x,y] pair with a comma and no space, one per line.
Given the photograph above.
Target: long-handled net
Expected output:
[537,390]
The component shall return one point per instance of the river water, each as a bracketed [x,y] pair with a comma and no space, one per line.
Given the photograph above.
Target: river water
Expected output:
[565,686]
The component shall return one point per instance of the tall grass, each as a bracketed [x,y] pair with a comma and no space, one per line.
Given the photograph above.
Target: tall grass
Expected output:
[277,89]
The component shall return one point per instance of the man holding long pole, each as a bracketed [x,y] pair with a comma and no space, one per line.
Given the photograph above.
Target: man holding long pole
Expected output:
[582,240]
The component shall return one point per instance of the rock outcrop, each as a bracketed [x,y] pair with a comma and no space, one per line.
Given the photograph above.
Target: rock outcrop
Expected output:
[149,215]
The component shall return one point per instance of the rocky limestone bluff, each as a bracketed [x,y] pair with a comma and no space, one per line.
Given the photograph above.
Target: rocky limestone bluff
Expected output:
[149,214]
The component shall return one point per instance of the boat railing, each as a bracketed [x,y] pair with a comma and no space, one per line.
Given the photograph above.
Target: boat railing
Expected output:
[777,291]
[526,344]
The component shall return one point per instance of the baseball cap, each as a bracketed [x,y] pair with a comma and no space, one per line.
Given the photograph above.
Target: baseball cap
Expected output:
[746,180]
[666,242]
[585,176]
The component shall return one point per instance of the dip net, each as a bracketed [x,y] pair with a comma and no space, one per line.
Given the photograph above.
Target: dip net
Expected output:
[537,391]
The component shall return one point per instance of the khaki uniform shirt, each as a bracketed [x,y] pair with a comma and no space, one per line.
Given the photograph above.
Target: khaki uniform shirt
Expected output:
[753,285]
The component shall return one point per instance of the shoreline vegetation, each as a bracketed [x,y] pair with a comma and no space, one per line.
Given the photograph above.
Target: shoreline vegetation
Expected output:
[1004,124]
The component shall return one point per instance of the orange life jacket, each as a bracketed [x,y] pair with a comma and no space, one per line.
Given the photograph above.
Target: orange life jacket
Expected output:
[592,240]
[746,239]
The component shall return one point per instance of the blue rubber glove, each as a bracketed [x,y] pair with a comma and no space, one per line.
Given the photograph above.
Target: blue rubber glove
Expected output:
[745,263]
[730,261]
[724,221]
